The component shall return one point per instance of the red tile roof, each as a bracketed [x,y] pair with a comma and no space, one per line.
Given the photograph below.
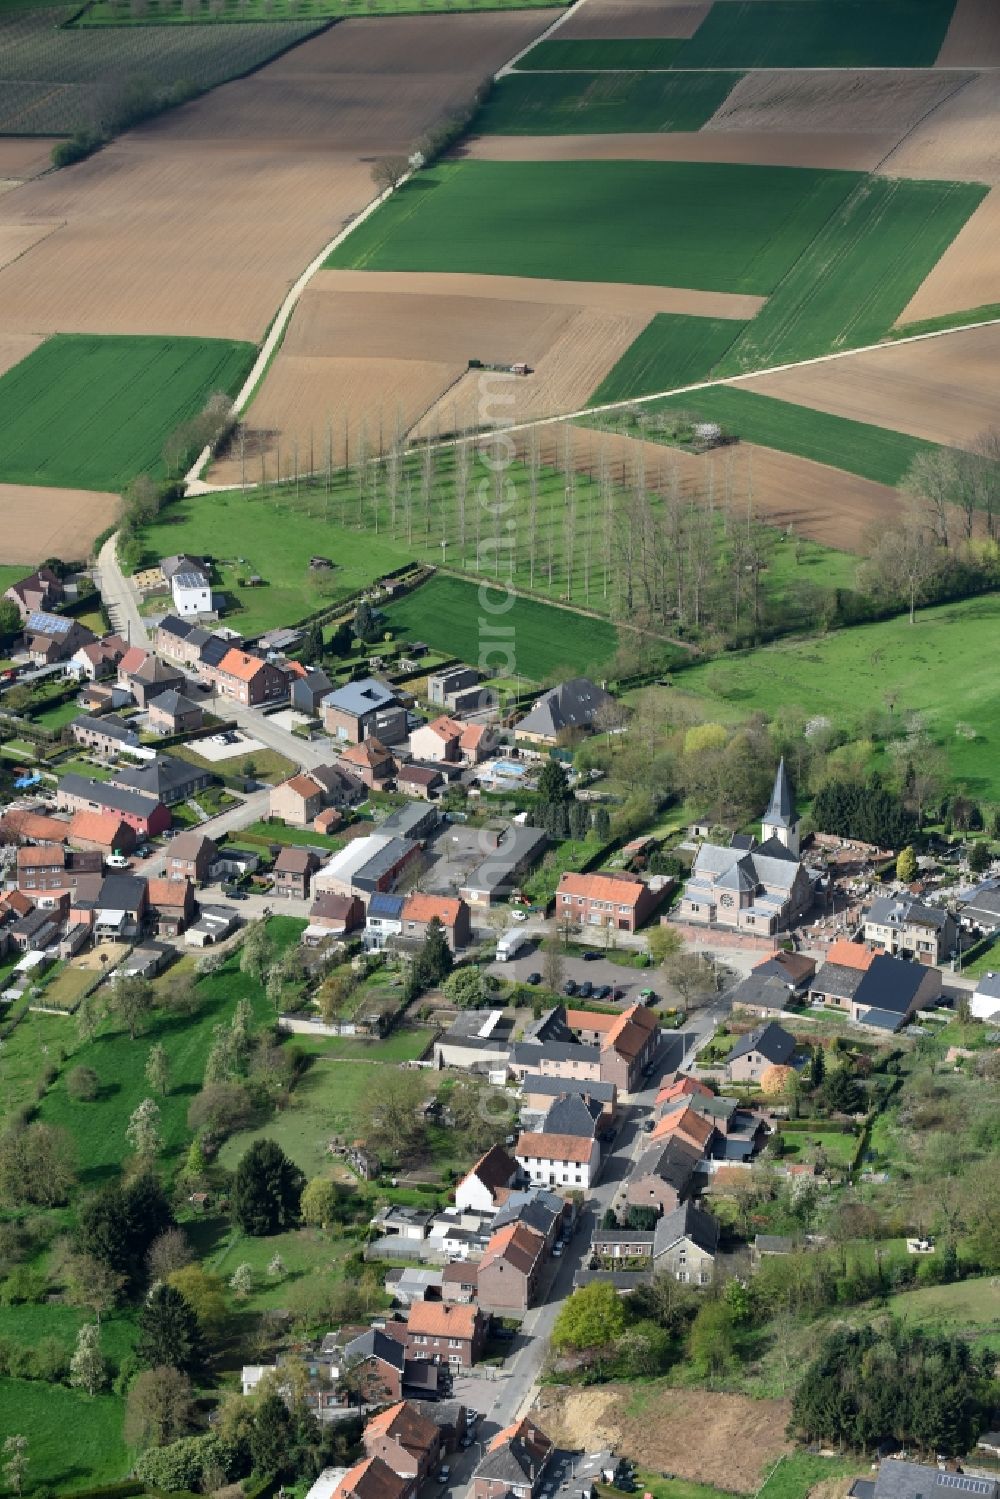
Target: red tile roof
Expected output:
[631,1031]
[683,1087]
[518,1244]
[419,907]
[241,666]
[688,1125]
[851,955]
[443,1319]
[590,1020]
[405,1423]
[619,889]
[371,1479]
[554,1147]
[98,827]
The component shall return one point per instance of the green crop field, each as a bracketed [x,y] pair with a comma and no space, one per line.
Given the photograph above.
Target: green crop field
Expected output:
[604,54]
[91,412]
[672,350]
[989,313]
[818,34]
[703,225]
[74,1439]
[933,667]
[873,452]
[853,281]
[543,641]
[54,77]
[179,13]
[609,103]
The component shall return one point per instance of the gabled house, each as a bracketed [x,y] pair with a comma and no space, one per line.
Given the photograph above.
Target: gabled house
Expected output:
[567,1161]
[538,1092]
[892,991]
[309,690]
[39,593]
[574,1114]
[171,906]
[447,1332]
[373,1479]
[381,1370]
[248,679]
[837,979]
[685,1244]
[171,712]
[617,901]
[107,736]
[293,872]
[105,832]
[149,678]
[54,637]
[905,927]
[420,910]
[663,1176]
[423,781]
[190,857]
[535,1207]
[98,659]
[630,1047]
[768,1046]
[121,908]
[145,814]
[510,1269]
[684,1122]
[167,778]
[408,1441]
[297,801]
[371,762]
[494,1173]
[516,1463]
[341,787]
[333,915]
[573,706]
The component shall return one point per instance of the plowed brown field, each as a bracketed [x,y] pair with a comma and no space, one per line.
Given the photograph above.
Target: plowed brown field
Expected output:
[388,347]
[843,151]
[960,139]
[973,36]
[624,18]
[16,239]
[22,157]
[968,273]
[216,208]
[41,522]
[832,101]
[945,389]
[14,347]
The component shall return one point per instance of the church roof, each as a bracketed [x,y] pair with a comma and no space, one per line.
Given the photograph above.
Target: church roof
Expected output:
[781,811]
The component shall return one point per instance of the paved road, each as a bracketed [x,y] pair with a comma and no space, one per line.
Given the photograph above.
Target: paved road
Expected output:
[118,596]
[251,809]
[302,752]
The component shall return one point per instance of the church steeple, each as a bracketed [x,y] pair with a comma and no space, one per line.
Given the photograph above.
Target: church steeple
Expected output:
[780,820]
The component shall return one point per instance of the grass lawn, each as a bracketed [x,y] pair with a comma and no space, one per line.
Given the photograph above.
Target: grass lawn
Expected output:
[34,1042]
[795,1475]
[609,103]
[400,1046]
[703,225]
[269,765]
[324,1103]
[874,452]
[59,716]
[91,412]
[863,266]
[808,1145]
[603,53]
[987,962]
[306,1252]
[276,832]
[75,1439]
[542,640]
[673,349]
[934,667]
[818,34]
[28,1324]
[967,1306]
[67,988]
[276,537]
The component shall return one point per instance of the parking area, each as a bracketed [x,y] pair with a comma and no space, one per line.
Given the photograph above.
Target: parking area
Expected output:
[453,851]
[597,971]
[224,746]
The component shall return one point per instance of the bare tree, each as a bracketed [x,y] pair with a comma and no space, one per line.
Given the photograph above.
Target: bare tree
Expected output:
[934,477]
[902,561]
[388,172]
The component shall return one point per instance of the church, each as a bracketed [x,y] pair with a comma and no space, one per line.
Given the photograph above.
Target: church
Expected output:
[750,886]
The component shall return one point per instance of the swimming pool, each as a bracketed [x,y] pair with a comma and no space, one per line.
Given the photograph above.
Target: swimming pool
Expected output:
[508,768]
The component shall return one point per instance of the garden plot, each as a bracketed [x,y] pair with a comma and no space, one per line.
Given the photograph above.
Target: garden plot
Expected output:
[944,389]
[276,163]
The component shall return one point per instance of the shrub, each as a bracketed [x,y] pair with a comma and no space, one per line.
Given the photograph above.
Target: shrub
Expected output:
[83,1084]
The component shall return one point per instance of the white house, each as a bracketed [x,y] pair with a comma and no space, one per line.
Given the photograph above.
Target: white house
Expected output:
[192,594]
[985,1004]
[492,1173]
[558,1160]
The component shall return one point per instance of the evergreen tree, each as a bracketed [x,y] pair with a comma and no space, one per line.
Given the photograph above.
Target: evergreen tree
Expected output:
[817,1065]
[267,1190]
[271,1438]
[364,621]
[579,820]
[169,1335]
[602,824]
[434,961]
[553,783]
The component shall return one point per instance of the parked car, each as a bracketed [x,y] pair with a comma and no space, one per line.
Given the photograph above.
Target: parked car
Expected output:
[586,989]
[534,978]
[590,956]
[569,987]
[118,861]
[444,1475]
[518,916]
[602,991]
[557,1250]
[649,996]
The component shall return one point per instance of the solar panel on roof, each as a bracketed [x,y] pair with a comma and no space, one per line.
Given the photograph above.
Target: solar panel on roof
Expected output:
[48,624]
[963,1483]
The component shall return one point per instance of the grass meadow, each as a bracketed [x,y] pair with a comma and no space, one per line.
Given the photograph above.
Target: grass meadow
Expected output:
[673,349]
[852,282]
[702,225]
[325,1102]
[858,447]
[933,667]
[74,1439]
[90,412]
[818,34]
[606,102]
[545,641]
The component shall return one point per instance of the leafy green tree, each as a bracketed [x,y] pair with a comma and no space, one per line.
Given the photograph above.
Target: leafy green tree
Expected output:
[641,1218]
[271,1439]
[711,1344]
[15,1462]
[241,1281]
[83,1084]
[158,1069]
[10,619]
[159,1408]
[553,783]
[320,1202]
[130,1000]
[434,961]
[143,1130]
[469,988]
[592,1317]
[980,857]
[267,1190]
[906,865]
[842,1091]
[37,1166]
[168,1332]
[202,1290]
[365,627]
[257,951]
[87,1368]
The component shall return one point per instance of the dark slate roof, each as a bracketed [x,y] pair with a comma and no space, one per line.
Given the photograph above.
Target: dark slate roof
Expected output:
[387,907]
[837,979]
[888,910]
[538,1209]
[781,809]
[673,1162]
[902,1480]
[214,649]
[773,848]
[179,628]
[571,705]
[112,727]
[118,798]
[771,1040]
[376,1344]
[623,1236]
[686,1222]
[890,984]
[161,777]
[573,1115]
[762,991]
[553,1087]
[882,1020]
[528,1053]
[174,702]
[122,892]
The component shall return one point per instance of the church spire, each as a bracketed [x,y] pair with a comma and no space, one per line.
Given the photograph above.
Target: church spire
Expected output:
[781,812]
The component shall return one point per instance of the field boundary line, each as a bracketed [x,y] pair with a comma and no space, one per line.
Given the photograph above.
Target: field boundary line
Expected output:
[193,482]
[560,20]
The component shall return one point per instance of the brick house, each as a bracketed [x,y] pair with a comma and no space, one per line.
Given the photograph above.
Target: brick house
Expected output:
[168,778]
[39,592]
[248,679]
[892,991]
[171,712]
[768,1046]
[171,905]
[105,832]
[509,1271]
[663,1175]
[438,740]
[341,787]
[54,637]
[419,780]
[150,677]
[98,659]
[493,1174]
[420,910]
[619,901]
[905,926]
[515,1463]
[408,1441]
[107,736]
[190,857]
[684,1122]
[550,1160]
[293,872]
[298,801]
[41,868]
[446,1332]
[143,813]
[629,1047]
[371,762]
[373,1479]
[334,915]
